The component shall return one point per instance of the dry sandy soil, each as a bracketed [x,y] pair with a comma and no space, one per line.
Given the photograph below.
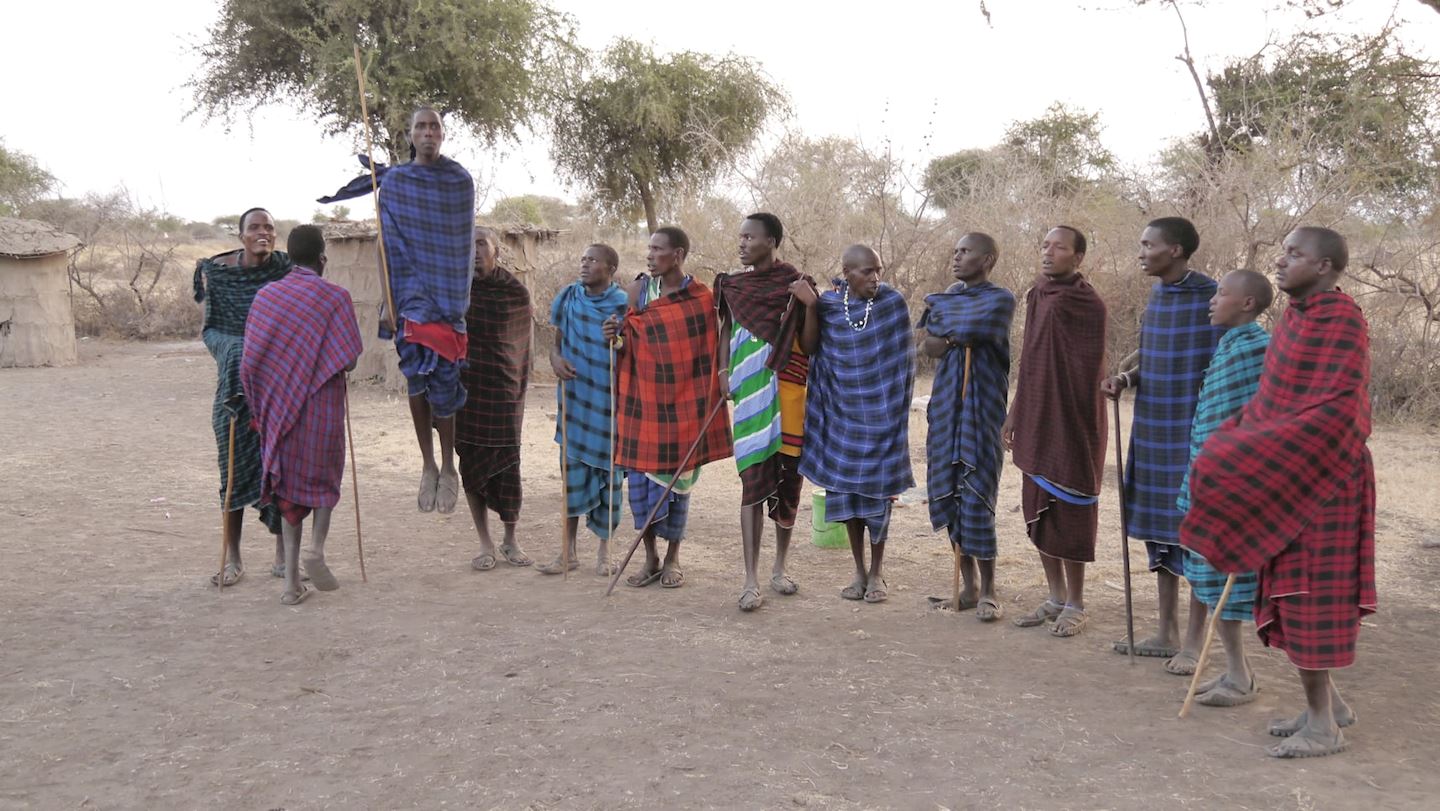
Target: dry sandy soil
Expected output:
[127,682]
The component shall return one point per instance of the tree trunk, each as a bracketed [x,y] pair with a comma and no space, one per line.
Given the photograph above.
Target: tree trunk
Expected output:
[647,198]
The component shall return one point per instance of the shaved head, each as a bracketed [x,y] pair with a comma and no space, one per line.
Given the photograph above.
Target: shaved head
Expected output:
[983,242]
[1254,285]
[1328,244]
[857,255]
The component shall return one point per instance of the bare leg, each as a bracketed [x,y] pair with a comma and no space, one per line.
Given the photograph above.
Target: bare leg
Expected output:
[510,548]
[969,592]
[875,587]
[290,534]
[315,567]
[987,574]
[429,474]
[782,551]
[1075,584]
[855,530]
[1184,662]
[234,522]
[752,529]
[671,565]
[449,482]
[1342,713]
[557,566]
[1237,666]
[486,559]
[651,570]
[1055,578]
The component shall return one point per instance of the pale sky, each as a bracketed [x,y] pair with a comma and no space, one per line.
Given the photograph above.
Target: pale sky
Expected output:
[93,89]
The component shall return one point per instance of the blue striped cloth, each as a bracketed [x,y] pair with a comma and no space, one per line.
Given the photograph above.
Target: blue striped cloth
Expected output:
[427,214]
[1176,344]
[577,316]
[1230,382]
[857,411]
[962,448]
[670,518]
[875,512]
[586,494]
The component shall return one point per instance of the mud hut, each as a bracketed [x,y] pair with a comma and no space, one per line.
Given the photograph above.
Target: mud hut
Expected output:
[354,265]
[37,325]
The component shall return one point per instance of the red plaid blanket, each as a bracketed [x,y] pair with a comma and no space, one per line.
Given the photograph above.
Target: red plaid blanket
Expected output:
[667,384]
[1266,473]
[1059,413]
[760,301]
[497,367]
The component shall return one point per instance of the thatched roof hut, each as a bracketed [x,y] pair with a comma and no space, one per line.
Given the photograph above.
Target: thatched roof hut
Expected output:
[354,265]
[37,325]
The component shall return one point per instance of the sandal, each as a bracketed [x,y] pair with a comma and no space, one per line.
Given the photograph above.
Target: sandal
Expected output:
[233,572]
[557,567]
[1047,611]
[1226,694]
[783,584]
[1181,664]
[854,591]
[425,499]
[877,595]
[296,598]
[643,579]
[447,492]
[514,556]
[988,610]
[1302,745]
[750,599]
[483,562]
[672,579]
[1070,622]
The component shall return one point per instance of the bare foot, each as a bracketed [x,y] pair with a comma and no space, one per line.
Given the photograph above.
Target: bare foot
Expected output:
[483,562]
[514,555]
[447,491]
[783,584]
[604,568]
[296,597]
[988,609]
[320,574]
[645,576]
[671,577]
[750,599]
[854,591]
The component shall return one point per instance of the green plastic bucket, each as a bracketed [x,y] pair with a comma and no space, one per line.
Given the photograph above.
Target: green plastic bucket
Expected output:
[823,533]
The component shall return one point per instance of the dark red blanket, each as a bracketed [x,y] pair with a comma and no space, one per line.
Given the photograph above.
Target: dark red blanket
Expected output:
[760,301]
[497,361]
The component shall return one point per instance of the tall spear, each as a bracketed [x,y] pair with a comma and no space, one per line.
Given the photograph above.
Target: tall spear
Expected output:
[375,190]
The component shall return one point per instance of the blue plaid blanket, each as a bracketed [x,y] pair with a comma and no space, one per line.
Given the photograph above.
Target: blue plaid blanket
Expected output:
[857,412]
[577,317]
[1231,380]
[1176,344]
[967,406]
[427,215]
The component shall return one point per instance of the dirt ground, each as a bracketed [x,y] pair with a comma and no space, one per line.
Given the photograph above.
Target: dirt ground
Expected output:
[126,682]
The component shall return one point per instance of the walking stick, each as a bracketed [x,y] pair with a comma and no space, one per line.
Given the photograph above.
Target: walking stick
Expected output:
[610,481]
[564,491]
[225,511]
[1124,535]
[1205,649]
[375,190]
[650,519]
[355,484]
[955,584]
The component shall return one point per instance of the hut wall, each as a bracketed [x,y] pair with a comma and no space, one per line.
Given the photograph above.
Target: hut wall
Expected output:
[37,326]
[353,265]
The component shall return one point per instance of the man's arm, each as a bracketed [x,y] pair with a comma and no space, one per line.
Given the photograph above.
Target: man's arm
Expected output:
[1127,378]
[563,369]
[804,292]
[933,345]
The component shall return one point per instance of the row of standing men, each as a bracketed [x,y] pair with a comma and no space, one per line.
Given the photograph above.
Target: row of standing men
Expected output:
[1226,474]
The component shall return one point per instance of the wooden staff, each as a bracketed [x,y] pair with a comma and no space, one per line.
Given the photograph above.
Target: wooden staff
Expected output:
[650,519]
[564,491]
[225,510]
[375,190]
[610,482]
[1205,649]
[1124,535]
[354,483]
[964,387]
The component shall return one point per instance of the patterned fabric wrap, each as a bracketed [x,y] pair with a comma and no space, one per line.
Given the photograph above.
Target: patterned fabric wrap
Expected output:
[1059,413]
[1176,344]
[1287,486]
[670,517]
[1230,382]
[875,512]
[300,336]
[578,316]
[667,384]
[755,392]
[967,407]
[586,493]
[760,301]
[497,364]
[493,474]
[228,291]
[427,216]
[428,373]
[857,417]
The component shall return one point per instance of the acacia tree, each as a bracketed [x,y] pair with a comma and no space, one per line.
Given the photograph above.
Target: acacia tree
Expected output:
[22,181]
[638,122]
[492,64]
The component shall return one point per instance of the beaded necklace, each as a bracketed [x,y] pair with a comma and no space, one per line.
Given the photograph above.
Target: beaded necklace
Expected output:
[865,319]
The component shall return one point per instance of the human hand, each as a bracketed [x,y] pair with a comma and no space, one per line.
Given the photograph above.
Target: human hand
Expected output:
[1112,386]
[563,369]
[804,292]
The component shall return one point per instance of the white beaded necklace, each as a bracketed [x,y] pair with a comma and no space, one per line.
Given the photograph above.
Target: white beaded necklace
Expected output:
[864,320]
